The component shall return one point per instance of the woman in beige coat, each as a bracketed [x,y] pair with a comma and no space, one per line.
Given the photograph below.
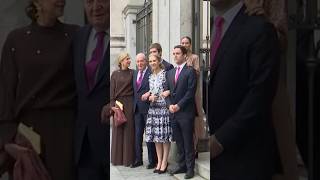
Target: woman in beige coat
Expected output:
[276,12]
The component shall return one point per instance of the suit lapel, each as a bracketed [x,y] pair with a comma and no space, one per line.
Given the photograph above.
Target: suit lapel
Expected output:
[103,67]
[231,33]
[180,75]
[145,79]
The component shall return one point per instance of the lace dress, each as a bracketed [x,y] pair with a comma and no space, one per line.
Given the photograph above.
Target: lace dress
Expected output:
[158,128]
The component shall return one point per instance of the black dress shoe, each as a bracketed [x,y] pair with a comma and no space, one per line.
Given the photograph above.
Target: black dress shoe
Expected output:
[136,164]
[189,175]
[151,166]
[163,171]
[178,170]
[196,155]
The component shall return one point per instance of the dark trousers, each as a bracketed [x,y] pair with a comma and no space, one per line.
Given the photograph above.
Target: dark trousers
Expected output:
[183,134]
[140,123]
[88,168]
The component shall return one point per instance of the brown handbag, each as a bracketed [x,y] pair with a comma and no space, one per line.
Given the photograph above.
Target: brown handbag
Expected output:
[118,117]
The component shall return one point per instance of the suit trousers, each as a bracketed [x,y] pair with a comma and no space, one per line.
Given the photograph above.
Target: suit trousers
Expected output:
[183,134]
[140,123]
[87,168]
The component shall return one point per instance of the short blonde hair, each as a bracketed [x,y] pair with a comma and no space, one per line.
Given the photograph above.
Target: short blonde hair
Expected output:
[122,56]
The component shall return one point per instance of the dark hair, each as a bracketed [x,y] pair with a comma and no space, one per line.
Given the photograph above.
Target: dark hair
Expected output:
[187,38]
[182,48]
[31,11]
[157,46]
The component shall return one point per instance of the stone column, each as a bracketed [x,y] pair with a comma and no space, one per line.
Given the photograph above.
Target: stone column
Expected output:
[12,15]
[130,15]
[74,12]
[171,21]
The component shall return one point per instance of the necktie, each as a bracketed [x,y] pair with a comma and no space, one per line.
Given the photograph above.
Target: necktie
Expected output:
[91,66]
[139,81]
[217,38]
[177,75]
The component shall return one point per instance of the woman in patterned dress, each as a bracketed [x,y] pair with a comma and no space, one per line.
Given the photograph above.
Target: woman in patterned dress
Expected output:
[158,129]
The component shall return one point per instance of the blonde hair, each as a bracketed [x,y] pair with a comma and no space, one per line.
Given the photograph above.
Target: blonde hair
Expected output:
[32,11]
[122,56]
[158,58]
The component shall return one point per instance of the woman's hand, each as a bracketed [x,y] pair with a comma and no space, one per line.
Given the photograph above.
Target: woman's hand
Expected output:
[254,7]
[165,93]
[145,96]
[152,98]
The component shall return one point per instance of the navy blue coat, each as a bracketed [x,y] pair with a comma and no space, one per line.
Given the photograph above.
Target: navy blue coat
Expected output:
[138,105]
[241,89]
[90,102]
[183,92]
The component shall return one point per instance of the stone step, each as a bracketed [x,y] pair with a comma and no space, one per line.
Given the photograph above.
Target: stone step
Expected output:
[202,165]
[181,177]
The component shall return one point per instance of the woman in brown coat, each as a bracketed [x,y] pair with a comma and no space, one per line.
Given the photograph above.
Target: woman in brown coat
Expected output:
[122,145]
[37,85]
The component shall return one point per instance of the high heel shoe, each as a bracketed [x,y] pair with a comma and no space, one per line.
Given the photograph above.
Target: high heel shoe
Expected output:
[165,170]
[156,171]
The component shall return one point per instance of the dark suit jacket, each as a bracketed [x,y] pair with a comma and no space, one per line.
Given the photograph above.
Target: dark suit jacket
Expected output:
[167,66]
[183,92]
[241,90]
[90,102]
[138,105]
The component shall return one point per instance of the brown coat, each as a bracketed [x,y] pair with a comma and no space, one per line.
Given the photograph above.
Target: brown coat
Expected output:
[276,12]
[37,88]
[199,131]
[122,145]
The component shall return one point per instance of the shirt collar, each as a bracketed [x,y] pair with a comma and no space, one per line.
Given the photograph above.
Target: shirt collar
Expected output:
[182,65]
[145,69]
[94,32]
[229,15]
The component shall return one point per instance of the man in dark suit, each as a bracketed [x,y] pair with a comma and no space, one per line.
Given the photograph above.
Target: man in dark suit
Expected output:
[92,72]
[243,78]
[140,109]
[181,81]
[156,49]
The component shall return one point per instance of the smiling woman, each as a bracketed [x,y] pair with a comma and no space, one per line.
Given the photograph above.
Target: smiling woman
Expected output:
[121,89]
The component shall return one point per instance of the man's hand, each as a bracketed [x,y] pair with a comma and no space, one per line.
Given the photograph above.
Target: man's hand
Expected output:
[105,113]
[176,108]
[171,108]
[145,96]
[215,147]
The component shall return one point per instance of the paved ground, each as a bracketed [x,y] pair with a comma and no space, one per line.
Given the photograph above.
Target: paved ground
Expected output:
[138,173]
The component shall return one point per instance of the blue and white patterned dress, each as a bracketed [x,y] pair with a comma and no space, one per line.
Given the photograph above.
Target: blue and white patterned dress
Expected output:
[158,128]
